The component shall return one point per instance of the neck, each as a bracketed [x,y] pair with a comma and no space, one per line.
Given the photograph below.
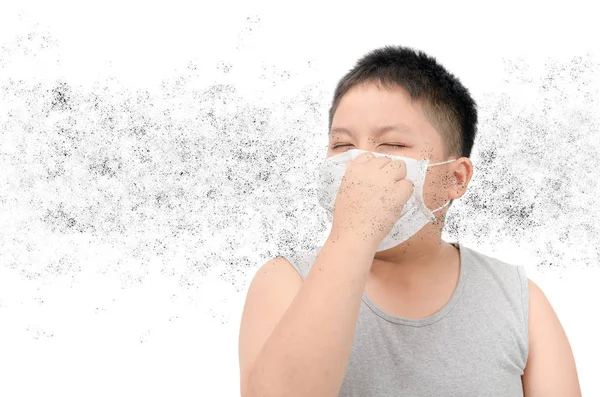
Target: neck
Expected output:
[422,257]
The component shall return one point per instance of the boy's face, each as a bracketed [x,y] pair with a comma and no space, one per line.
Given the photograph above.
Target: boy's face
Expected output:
[365,109]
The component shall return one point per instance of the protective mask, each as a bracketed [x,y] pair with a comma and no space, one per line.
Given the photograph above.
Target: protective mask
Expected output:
[415,215]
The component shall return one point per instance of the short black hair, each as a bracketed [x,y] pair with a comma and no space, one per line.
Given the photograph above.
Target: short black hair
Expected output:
[447,104]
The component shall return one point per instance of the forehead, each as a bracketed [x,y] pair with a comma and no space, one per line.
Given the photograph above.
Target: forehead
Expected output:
[372,108]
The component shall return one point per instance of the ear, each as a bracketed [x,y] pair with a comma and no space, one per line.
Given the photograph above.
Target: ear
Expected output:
[462,171]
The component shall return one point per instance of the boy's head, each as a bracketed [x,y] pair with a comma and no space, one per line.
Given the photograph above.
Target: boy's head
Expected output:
[401,86]
[445,102]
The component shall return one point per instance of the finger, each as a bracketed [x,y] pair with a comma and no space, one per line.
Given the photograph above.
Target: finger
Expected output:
[397,169]
[363,158]
[405,189]
[380,161]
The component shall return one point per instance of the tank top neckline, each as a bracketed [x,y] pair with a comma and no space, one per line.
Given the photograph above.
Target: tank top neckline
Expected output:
[463,260]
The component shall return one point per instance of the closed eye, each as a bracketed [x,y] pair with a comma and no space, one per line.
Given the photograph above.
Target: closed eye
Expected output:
[338,146]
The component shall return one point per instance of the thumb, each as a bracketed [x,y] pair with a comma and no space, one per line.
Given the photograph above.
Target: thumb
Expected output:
[406,188]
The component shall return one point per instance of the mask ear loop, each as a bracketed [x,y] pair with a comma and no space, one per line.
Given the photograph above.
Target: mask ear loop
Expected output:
[436,210]
[447,202]
[443,162]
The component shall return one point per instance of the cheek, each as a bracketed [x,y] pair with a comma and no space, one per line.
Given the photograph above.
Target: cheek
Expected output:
[434,188]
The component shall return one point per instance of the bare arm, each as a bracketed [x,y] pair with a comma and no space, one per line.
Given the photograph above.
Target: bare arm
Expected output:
[304,348]
[550,369]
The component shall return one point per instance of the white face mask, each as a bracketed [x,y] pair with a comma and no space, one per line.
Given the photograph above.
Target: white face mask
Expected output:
[415,215]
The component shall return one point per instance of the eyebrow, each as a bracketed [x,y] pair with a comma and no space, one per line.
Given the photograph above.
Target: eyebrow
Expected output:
[400,127]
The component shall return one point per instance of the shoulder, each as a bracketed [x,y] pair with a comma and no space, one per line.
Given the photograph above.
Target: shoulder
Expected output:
[504,284]
[485,260]
[271,292]
[541,312]
[537,296]
[275,268]
[550,369]
[488,269]
[302,260]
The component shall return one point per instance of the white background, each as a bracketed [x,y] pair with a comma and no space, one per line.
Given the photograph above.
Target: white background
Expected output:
[87,329]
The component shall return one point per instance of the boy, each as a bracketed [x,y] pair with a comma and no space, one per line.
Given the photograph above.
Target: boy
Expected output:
[385,307]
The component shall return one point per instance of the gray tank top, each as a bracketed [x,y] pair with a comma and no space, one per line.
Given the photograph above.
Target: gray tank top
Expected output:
[476,345]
